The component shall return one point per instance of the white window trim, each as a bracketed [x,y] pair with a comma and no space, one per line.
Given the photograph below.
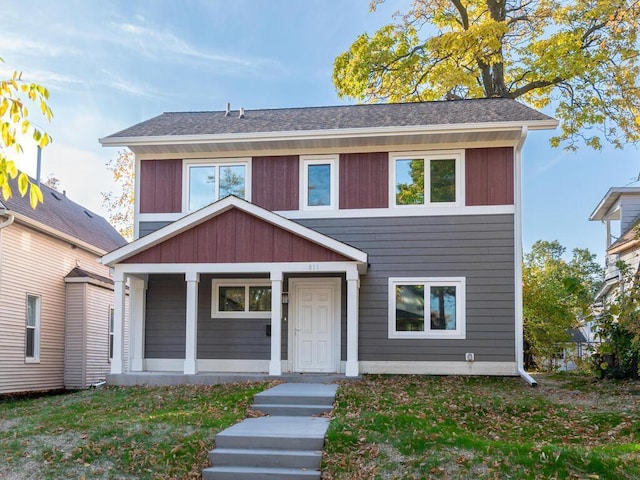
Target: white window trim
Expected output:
[237,282]
[217,162]
[36,328]
[306,160]
[111,313]
[457,155]
[461,299]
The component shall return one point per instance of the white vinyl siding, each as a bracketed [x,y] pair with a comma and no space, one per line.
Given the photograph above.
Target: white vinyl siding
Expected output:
[32,262]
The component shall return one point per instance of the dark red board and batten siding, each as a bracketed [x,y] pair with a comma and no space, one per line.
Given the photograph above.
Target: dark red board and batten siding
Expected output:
[363,182]
[489,176]
[236,237]
[161,186]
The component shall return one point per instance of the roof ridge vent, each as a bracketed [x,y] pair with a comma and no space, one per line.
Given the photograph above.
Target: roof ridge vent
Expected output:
[241,114]
[228,110]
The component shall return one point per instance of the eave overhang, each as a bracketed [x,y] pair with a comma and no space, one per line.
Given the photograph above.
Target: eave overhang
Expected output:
[221,206]
[604,208]
[506,132]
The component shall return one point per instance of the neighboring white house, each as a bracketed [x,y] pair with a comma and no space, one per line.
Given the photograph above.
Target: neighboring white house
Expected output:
[56,300]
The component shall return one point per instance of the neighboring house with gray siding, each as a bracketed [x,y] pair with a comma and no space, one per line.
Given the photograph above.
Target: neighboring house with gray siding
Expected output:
[55,297]
[352,239]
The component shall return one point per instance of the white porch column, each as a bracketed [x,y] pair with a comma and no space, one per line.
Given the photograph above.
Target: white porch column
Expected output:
[119,293]
[137,301]
[352,368]
[275,365]
[191,337]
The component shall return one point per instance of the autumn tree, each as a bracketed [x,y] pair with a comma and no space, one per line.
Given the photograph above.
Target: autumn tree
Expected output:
[556,295]
[579,56]
[120,205]
[16,127]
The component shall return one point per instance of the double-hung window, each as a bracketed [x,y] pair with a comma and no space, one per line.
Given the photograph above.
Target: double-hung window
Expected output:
[111,318]
[427,307]
[241,298]
[431,179]
[207,182]
[32,334]
[319,182]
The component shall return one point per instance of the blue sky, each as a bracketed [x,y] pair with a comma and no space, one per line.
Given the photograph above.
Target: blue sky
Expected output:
[111,64]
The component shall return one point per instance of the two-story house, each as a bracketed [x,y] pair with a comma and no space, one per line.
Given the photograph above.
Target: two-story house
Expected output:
[56,299]
[351,239]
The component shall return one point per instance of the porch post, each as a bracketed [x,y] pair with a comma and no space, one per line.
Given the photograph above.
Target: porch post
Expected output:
[275,365]
[137,300]
[191,337]
[117,361]
[353,286]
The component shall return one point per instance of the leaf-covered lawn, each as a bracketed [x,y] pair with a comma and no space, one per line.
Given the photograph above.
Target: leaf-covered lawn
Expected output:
[471,428]
[118,433]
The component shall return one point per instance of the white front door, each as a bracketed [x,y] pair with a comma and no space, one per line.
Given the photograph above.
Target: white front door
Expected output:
[315,321]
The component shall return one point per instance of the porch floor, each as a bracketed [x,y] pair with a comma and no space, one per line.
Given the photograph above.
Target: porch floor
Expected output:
[166,379]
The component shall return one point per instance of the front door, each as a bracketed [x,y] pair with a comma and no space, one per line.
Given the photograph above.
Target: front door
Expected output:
[315,321]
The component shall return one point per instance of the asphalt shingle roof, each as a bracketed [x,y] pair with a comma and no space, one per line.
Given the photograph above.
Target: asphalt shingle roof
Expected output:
[60,213]
[336,117]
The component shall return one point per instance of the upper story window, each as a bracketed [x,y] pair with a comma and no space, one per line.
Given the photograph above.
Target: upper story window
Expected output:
[432,179]
[206,182]
[319,182]
[32,337]
[427,308]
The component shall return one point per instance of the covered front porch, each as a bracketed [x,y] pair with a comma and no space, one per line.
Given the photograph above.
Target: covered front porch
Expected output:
[235,289]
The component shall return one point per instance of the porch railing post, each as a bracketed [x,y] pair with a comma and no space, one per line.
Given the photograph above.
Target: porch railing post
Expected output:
[275,364]
[137,299]
[191,336]
[117,362]
[352,368]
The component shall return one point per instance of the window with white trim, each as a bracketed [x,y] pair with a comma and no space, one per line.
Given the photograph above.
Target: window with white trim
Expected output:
[32,334]
[241,298]
[431,179]
[427,307]
[111,318]
[207,182]
[319,182]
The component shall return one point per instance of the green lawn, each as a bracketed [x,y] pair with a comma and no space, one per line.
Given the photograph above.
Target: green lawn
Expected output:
[382,428]
[118,433]
[472,428]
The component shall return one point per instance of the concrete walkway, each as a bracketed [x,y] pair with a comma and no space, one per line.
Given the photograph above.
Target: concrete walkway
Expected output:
[285,445]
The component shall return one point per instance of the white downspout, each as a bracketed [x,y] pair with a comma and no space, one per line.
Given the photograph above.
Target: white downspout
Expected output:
[519,323]
[10,218]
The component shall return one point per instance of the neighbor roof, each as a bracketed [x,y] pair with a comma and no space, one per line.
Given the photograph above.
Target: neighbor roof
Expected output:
[59,213]
[458,112]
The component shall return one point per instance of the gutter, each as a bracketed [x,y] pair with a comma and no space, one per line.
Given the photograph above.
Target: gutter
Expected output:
[333,133]
[10,218]
[519,322]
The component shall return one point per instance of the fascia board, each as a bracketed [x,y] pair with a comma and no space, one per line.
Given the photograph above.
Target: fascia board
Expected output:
[326,134]
[23,219]
[217,208]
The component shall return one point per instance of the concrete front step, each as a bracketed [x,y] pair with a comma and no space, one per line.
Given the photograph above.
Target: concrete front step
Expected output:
[245,457]
[282,433]
[256,473]
[298,394]
[292,410]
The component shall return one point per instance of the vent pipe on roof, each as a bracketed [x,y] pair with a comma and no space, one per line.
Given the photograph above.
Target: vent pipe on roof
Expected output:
[228,110]
[241,115]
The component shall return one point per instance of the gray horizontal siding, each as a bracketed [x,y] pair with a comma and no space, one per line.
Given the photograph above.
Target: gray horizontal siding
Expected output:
[165,316]
[145,228]
[229,338]
[479,248]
